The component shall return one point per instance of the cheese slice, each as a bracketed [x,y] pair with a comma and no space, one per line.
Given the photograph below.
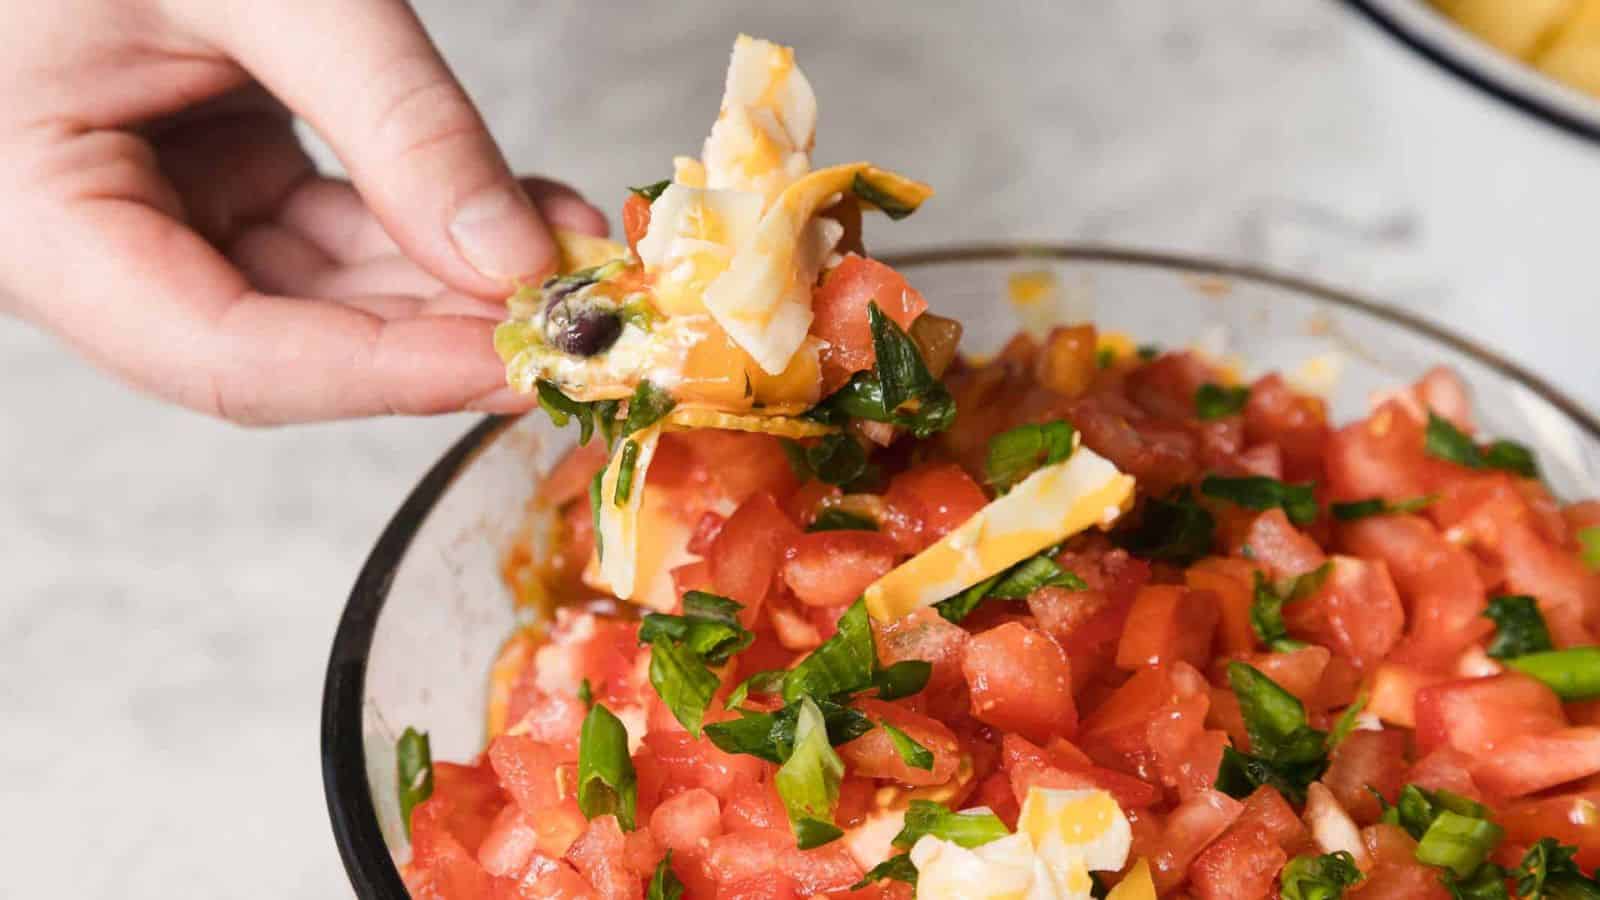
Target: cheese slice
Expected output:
[762,138]
[618,525]
[1075,832]
[1050,505]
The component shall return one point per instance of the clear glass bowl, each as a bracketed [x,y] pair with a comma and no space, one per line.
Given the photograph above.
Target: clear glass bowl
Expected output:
[429,609]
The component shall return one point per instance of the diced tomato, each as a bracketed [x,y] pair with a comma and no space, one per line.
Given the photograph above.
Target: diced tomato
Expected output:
[1173,624]
[832,568]
[1278,547]
[925,635]
[598,855]
[740,464]
[1438,580]
[1475,715]
[1296,423]
[1266,809]
[748,853]
[510,844]
[1367,761]
[569,478]
[1403,881]
[768,885]
[1444,769]
[748,550]
[828,869]
[546,879]
[530,771]
[1160,455]
[699,763]
[1380,456]
[754,804]
[839,309]
[873,755]
[1195,823]
[1572,819]
[810,499]
[1230,581]
[1299,671]
[927,502]
[1394,692]
[635,219]
[688,820]
[1089,624]
[694,576]
[1020,681]
[440,868]
[1356,612]
[1065,767]
[1117,733]
[1243,864]
[1527,763]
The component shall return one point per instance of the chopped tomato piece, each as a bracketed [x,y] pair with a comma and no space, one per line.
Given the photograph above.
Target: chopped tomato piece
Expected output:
[599,857]
[1278,547]
[1243,864]
[1297,424]
[1356,612]
[1573,819]
[1020,681]
[1173,624]
[687,820]
[832,568]
[1367,761]
[1194,824]
[1438,580]
[635,219]
[839,307]
[1267,810]
[1231,582]
[1475,715]
[748,550]
[927,502]
[873,755]
[1526,763]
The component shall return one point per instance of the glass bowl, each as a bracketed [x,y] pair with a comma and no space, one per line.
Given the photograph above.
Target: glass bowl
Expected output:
[429,609]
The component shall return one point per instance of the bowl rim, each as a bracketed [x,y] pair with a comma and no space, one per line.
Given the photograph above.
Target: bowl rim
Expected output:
[1452,49]
[362,849]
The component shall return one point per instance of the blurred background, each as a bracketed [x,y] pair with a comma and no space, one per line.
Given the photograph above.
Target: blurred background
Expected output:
[172,583]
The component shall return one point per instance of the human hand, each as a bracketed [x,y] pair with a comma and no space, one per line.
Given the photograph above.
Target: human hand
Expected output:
[161,216]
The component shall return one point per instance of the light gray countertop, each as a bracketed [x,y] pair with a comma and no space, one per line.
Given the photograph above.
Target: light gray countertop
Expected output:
[172,584]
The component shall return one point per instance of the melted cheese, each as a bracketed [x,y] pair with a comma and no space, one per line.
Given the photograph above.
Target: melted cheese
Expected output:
[762,139]
[1052,504]
[1075,832]
[619,525]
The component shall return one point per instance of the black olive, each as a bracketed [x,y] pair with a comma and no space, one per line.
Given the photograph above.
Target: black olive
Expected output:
[585,332]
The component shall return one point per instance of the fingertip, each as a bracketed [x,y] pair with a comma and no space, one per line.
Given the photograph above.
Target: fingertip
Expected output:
[500,235]
[574,214]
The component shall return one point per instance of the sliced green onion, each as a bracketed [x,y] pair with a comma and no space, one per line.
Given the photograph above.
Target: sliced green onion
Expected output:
[808,782]
[682,680]
[1172,529]
[647,407]
[1261,492]
[1377,506]
[1574,673]
[1346,723]
[844,664]
[768,682]
[896,868]
[1319,877]
[606,781]
[1511,457]
[887,203]
[1443,440]
[596,490]
[1274,718]
[630,459]
[1213,401]
[911,753]
[837,459]
[834,519]
[1032,574]
[413,763]
[1015,454]
[968,829]
[904,678]
[771,736]
[585,693]
[1589,544]
[1519,627]
[1458,843]
[664,884]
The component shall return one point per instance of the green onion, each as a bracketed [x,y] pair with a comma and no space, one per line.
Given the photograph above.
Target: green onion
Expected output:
[836,459]
[889,204]
[904,678]
[1173,529]
[900,368]
[808,782]
[630,459]
[899,390]
[681,647]
[1458,843]
[596,488]
[1511,457]
[648,406]
[1105,358]
[683,682]
[1548,872]
[1416,809]
[1015,454]
[967,829]
[1346,723]
[1574,673]
[1240,774]
[1377,506]
[768,682]
[651,191]
[896,868]
[562,409]
[585,693]
[664,884]
[912,753]
[1266,606]
[1443,440]
[1319,877]
[413,764]
[955,609]
[1015,583]
[1261,492]
[606,782]
[771,736]
[834,519]
[1285,752]
[1589,542]
[1487,882]
[1148,352]
[844,664]
[1519,627]
[1213,401]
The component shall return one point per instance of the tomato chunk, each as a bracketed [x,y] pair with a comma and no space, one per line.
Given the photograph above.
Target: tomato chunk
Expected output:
[1475,715]
[1171,624]
[1020,681]
[839,307]
[1243,864]
[832,568]
[748,550]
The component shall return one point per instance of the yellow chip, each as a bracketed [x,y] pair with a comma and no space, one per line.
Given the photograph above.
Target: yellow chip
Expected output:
[1138,885]
[686,418]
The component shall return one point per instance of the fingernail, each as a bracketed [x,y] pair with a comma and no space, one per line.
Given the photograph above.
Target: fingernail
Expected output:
[499,234]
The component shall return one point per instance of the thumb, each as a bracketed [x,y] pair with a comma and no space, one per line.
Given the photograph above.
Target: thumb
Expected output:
[366,76]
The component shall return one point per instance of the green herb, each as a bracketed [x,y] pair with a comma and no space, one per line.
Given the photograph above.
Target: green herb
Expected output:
[1458,843]
[836,459]
[648,406]
[899,390]
[1519,627]
[1573,673]
[896,868]
[1105,358]
[1174,529]
[904,678]
[955,609]
[1377,506]
[585,693]
[900,368]
[844,664]
[1266,607]
[1319,877]
[1285,751]
[1416,809]
[1443,440]
[1548,872]
[606,782]
[771,736]
[1487,882]
[808,781]
[1213,401]
[1015,454]
[596,489]
[888,203]
[1589,544]
[912,753]
[683,682]
[1015,583]
[682,647]
[1148,352]
[413,764]
[651,191]
[1261,492]
[638,312]
[664,884]
[630,460]
[967,829]
[1346,723]
[834,519]
[768,682]
[562,409]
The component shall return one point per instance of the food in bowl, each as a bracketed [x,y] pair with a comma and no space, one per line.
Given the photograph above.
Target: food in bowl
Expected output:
[1079,619]
[1558,37]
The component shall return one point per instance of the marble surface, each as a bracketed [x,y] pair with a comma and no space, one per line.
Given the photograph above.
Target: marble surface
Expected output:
[171,583]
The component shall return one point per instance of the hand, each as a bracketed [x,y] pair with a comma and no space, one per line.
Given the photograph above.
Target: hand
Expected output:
[161,216]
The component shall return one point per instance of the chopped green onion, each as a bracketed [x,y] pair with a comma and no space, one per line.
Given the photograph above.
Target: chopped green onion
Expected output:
[596,489]
[844,664]
[1519,627]
[651,191]
[1511,457]
[1032,574]
[1319,877]
[1443,440]
[1240,774]
[768,682]
[771,736]
[1458,843]
[1416,809]
[1213,401]
[1549,872]
[413,764]
[887,203]
[709,627]
[1377,506]
[967,829]
[682,680]
[1173,529]
[899,390]
[606,781]
[904,678]
[1261,492]
[834,519]
[808,781]
[1148,352]
[1105,358]
[647,407]
[911,753]
[1285,751]
[1266,606]
[1487,882]
[1573,673]
[664,884]
[836,459]
[1346,723]
[955,609]
[900,369]
[1589,542]
[562,409]
[1015,454]
[585,693]
[896,868]
[630,460]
